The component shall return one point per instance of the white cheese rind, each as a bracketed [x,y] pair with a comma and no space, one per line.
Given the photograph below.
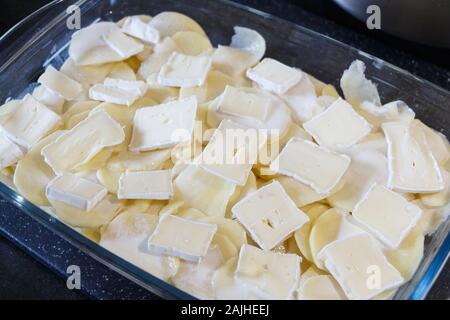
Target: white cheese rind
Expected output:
[164,126]
[269,215]
[338,127]
[182,238]
[184,71]
[75,191]
[360,267]
[61,84]
[10,152]
[155,184]
[274,76]
[315,166]
[83,142]
[30,122]
[388,215]
[241,103]
[137,28]
[271,275]
[411,164]
[122,44]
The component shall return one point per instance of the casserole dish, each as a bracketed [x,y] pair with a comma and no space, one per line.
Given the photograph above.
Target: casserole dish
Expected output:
[43,38]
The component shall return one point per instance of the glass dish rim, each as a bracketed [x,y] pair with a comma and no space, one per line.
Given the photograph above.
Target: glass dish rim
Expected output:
[124,267]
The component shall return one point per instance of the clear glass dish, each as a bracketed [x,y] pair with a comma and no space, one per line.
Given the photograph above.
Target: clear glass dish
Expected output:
[43,37]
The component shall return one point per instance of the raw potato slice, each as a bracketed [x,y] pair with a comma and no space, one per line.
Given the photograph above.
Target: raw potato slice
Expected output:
[32,173]
[86,75]
[321,287]
[214,85]
[437,143]
[109,178]
[312,271]
[124,237]
[438,199]
[329,90]
[241,192]
[192,43]
[202,190]
[196,279]
[301,193]
[230,228]
[233,62]
[169,23]
[227,248]
[171,208]
[302,235]
[431,218]
[78,108]
[250,41]
[191,214]
[92,234]
[122,71]
[330,226]
[407,257]
[100,215]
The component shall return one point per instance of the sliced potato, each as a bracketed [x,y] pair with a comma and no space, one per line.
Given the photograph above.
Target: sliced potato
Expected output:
[126,235]
[250,41]
[122,70]
[241,192]
[191,214]
[231,228]
[169,23]
[79,107]
[192,43]
[32,173]
[227,247]
[214,85]
[109,178]
[321,287]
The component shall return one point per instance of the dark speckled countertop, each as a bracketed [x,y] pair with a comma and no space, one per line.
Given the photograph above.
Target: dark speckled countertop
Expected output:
[33,260]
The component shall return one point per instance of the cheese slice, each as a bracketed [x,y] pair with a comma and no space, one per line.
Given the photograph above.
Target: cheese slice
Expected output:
[155,184]
[269,215]
[303,101]
[138,87]
[122,44]
[320,287]
[86,75]
[360,267]
[30,122]
[10,152]
[274,76]
[164,125]
[231,61]
[184,71]
[137,28]
[411,165]
[241,103]
[61,84]
[338,127]
[386,214]
[75,191]
[272,275]
[231,152]
[315,166]
[80,144]
[47,97]
[182,238]
[101,92]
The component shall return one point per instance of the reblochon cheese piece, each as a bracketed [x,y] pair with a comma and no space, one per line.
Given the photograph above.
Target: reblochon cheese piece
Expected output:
[30,122]
[274,76]
[156,184]
[163,126]
[271,275]
[360,267]
[122,44]
[269,215]
[338,127]
[242,103]
[80,144]
[187,239]
[387,214]
[75,191]
[61,84]
[10,152]
[118,91]
[411,165]
[184,71]
[315,166]
[137,28]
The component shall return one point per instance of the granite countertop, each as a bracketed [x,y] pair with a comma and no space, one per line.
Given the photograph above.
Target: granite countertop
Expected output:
[33,260]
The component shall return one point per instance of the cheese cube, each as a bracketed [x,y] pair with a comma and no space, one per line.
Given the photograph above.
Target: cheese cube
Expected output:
[155,184]
[274,76]
[137,28]
[182,238]
[231,152]
[10,152]
[272,275]
[242,103]
[360,267]
[80,144]
[61,84]
[411,164]
[269,215]
[30,122]
[75,191]
[315,166]
[164,125]
[184,71]
[387,214]
[122,44]
[338,127]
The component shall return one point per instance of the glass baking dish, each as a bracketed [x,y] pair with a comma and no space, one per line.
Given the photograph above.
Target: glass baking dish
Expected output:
[43,37]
